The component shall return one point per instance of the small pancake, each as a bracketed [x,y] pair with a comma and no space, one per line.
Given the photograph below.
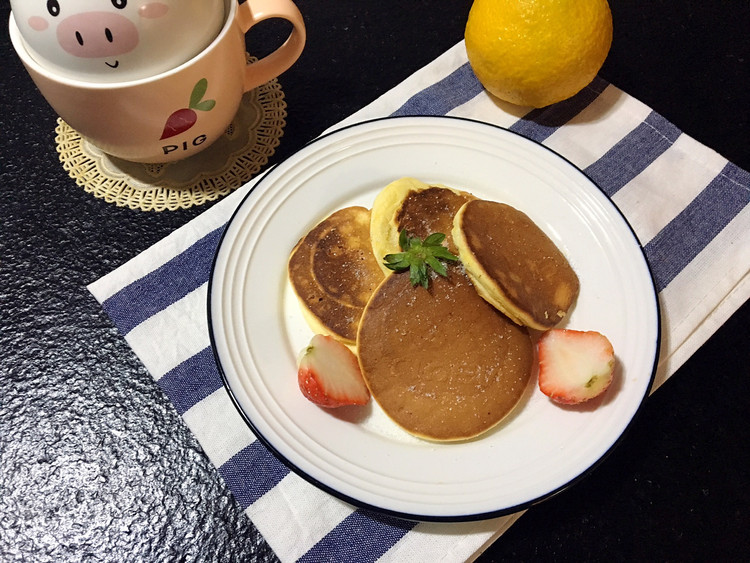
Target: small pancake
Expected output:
[421,209]
[514,265]
[333,273]
[442,362]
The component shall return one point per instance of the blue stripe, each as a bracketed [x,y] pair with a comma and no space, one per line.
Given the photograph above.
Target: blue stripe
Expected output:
[456,89]
[677,244]
[191,381]
[540,123]
[169,283]
[251,473]
[633,153]
[361,537]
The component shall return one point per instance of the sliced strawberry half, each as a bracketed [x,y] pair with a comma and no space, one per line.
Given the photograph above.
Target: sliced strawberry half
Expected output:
[329,374]
[574,366]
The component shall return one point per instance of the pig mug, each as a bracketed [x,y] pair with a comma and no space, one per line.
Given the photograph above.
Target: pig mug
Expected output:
[116,40]
[179,112]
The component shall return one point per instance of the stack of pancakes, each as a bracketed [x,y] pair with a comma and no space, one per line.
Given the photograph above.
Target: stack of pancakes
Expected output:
[451,361]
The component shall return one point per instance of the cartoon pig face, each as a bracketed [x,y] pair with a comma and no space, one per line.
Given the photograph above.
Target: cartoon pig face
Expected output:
[116,40]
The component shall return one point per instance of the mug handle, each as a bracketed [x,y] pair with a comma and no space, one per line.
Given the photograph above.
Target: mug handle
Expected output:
[253,11]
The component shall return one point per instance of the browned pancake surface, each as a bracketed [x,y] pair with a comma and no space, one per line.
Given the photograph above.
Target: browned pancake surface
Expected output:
[442,362]
[420,208]
[514,264]
[431,211]
[333,272]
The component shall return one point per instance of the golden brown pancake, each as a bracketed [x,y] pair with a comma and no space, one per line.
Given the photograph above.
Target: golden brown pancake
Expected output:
[333,272]
[421,209]
[442,362]
[514,265]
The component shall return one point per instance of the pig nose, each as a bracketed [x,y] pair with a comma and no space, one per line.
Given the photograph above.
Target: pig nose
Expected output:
[97,34]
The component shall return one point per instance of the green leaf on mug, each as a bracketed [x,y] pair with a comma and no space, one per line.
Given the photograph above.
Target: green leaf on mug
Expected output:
[205,105]
[199,90]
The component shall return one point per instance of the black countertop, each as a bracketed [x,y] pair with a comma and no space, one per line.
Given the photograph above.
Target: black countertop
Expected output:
[96,465]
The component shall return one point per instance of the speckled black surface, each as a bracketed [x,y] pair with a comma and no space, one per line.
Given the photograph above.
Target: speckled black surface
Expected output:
[95,464]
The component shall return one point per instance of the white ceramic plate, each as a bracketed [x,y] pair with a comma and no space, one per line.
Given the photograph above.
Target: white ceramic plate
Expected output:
[358,454]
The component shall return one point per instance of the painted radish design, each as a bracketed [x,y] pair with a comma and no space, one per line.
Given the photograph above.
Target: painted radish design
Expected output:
[184,118]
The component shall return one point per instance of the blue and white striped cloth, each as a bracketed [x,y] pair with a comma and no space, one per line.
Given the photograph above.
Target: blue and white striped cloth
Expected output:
[687,204]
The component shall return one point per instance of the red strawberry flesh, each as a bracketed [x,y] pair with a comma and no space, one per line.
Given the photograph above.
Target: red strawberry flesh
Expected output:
[329,374]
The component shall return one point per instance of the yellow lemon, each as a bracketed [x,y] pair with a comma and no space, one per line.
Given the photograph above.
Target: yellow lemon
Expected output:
[537,52]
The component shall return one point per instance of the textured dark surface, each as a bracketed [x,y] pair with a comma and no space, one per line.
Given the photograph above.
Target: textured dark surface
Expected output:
[96,465]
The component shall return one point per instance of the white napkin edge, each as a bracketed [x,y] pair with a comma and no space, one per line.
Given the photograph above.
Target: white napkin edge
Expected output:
[711,322]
